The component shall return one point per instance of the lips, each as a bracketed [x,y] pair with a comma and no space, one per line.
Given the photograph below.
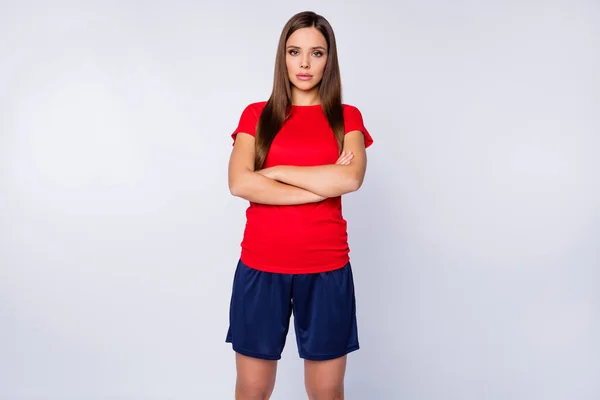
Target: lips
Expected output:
[304,77]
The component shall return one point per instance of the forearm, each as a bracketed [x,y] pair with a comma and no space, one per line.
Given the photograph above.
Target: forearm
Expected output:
[260,189]
[325,180]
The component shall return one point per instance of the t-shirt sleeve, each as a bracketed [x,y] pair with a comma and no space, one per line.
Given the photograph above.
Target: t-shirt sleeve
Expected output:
[248,122]
[353,121]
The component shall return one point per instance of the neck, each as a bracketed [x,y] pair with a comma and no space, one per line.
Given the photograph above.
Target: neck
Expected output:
[302,98]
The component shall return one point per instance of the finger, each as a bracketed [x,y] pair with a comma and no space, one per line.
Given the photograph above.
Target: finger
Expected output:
[348,158]
[345,158]
[342,158]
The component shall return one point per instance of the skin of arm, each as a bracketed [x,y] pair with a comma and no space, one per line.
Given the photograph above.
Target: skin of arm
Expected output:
[244,182]
[327,180]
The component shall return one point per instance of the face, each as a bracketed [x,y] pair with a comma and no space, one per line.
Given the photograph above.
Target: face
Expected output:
[306,56]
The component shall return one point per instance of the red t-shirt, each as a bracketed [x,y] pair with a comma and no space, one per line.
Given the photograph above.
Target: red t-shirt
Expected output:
[304,238]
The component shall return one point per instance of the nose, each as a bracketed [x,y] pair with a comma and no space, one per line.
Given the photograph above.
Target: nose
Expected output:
[305,63]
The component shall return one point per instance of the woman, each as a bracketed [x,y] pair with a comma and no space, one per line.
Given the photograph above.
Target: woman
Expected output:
[293,158]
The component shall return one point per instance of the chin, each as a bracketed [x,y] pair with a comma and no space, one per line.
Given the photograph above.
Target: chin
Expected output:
[305,86]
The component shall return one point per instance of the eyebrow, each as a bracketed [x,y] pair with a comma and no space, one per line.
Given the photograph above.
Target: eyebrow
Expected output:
[312,48]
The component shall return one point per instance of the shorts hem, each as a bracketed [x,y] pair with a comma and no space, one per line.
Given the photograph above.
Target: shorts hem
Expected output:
[254,354]
[331,356]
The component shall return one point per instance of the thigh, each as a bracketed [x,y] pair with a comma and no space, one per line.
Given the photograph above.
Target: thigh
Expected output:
[325,379]
[255,377]
[324,308]
[259,312]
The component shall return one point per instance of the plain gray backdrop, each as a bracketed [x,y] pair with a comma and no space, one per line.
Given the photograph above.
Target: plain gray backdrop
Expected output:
[474,240]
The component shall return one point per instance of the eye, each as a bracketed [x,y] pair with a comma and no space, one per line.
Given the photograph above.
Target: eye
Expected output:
[292,52]
[318,53]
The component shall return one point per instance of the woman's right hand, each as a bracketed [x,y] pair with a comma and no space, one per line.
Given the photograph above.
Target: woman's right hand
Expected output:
[345,158]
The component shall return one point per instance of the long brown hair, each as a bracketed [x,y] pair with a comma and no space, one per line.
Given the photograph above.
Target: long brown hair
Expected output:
[278,106]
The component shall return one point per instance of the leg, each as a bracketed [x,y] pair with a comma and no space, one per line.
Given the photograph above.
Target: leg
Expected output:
[255,378]
[259,318]
[326,329]
[324,380]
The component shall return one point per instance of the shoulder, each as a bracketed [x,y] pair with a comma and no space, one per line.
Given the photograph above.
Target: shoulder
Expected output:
[251,114]
[350,111]
[256,107]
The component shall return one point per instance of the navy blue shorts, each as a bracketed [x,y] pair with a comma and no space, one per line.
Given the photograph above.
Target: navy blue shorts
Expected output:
[324,310]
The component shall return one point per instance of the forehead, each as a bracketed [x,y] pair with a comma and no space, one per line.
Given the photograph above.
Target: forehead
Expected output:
[307,37]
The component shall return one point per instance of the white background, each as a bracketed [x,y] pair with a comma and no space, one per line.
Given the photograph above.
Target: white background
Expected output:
[475,238]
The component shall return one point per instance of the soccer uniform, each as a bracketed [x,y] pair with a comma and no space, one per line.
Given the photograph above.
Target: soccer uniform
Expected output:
[295,258]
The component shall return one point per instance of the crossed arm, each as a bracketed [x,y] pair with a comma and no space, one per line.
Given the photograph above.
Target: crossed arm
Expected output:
[287,185]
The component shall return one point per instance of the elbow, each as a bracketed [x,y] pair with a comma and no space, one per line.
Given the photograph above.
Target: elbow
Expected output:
[238,184]
[349,186]
[352,184]
[355,183]
[236,189]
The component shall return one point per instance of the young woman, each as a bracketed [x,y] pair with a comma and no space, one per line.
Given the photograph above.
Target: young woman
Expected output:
[293,158]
